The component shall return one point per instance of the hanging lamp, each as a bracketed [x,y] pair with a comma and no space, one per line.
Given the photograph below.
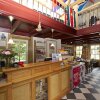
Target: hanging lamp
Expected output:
[10,41]
[39,25]
[52,44]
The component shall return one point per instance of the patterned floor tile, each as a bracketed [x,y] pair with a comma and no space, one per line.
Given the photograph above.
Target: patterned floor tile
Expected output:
[92,90]
[97,96]
[71,96]
[85,82]
[80,96]
[98,90]
[77,90]
[91,82]
[88,89]
[71,91]
[96,86]
[84,90]
[88,86]
[64,98]
[89,96]
[81,86]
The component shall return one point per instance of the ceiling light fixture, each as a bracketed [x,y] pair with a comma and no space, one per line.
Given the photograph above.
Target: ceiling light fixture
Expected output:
[39,25]
[10,18]
[52,44]
[10,41]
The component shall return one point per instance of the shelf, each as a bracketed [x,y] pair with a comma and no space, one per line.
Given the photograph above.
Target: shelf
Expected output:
[41,89]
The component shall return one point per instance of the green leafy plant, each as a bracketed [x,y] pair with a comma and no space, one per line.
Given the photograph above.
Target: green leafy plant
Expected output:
[20,49]
[7,55]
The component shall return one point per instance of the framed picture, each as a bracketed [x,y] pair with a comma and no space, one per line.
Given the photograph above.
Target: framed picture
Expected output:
[3,39]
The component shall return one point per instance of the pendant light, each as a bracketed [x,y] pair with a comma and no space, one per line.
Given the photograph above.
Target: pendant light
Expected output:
[52,44]
[39,25]
[10,41]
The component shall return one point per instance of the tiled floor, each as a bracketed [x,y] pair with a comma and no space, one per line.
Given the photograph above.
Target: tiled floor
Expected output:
[88,89]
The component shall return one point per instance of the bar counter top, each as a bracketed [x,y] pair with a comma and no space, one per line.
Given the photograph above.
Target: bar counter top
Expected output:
[24,82]
[9,69]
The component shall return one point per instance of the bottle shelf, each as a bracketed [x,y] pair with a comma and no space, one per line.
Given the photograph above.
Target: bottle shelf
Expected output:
[41,89]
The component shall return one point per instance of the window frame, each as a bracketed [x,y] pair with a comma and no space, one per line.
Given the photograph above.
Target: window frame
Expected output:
[80,51]
[96,50]
[26,41]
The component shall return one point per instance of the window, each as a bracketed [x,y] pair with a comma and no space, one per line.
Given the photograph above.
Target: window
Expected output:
[44,6]
[30,3]
[21,48]
[40,8]
[48,12]
[57,16]
[44,9]
[54,14]
[95,51]
[35,5]
[24,2]
[17,1]
[79,51]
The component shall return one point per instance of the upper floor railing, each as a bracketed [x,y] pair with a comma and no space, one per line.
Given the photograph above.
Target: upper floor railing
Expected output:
[46,7]
[89,16]
[51,9]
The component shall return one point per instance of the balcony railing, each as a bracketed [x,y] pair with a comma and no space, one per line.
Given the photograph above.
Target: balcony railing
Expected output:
[89,17]
[44,9]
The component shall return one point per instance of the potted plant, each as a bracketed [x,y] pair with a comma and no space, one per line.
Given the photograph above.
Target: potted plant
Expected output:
[7,56]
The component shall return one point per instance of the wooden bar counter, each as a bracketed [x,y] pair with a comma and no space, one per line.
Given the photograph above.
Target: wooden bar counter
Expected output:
[20,83]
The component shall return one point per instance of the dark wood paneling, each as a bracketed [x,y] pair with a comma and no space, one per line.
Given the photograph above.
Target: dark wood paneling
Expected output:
[88,30]
[12,8]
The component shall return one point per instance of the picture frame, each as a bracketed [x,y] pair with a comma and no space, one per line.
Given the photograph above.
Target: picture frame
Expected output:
[3,39]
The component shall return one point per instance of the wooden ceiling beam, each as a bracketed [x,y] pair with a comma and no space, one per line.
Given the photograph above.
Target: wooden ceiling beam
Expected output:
[41,32]
[15,26]
[90,8]
[88,30]
[18,11]
[2,29]
[57,35]
[46,35]
[62,37]
[62,3]
[83,37]
[96,34]
[76,3]
[50,34]
[68,2]
[32,31]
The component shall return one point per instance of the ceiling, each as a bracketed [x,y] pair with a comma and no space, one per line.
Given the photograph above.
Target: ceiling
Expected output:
[19,27]
[24,27]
